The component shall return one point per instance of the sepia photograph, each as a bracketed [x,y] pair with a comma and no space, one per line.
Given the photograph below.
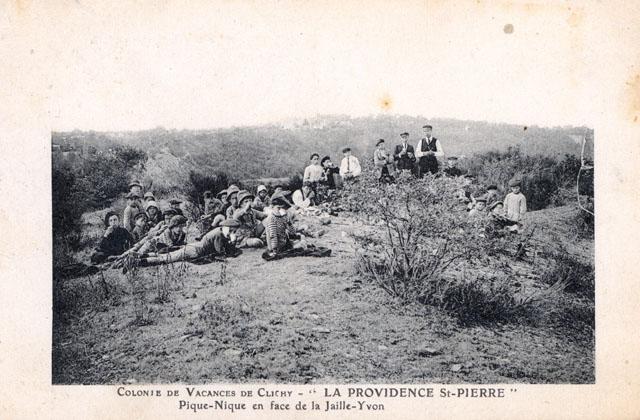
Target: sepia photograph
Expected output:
[328,249]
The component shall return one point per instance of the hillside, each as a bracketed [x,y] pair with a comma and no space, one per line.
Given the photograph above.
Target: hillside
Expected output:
[305,320]
[243,152]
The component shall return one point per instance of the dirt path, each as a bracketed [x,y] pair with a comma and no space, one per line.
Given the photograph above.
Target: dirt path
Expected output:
[299,320]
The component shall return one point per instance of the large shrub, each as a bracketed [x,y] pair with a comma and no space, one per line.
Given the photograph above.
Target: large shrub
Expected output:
[421,244]
[199,182]
[68,204]
[105,175]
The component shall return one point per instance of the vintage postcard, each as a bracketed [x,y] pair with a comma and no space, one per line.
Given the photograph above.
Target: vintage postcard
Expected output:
[411,209]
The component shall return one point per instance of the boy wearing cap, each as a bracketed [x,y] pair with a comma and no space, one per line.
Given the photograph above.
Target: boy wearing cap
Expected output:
[232,199]
[220,242]
[148,196]
[479,208]
[452,169]
[175,205]
[141,227]
[262,200]
[115,240]
[383,162]
[132,209]
[213,212]
[174,235]
[404,155]
[250,229]
[428,151]
[350,166]
[163,224]
[278,226]
[515,203]
[135,187]
[153,214]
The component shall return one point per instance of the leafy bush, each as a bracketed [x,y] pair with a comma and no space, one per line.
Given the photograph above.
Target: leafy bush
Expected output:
[105,175]
[423,242]
[68,204]
[295,183]
[200,182]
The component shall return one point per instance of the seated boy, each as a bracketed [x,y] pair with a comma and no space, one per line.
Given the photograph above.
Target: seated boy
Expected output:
[478,209]
[250,229]
[304,197]
[175,205]
[262,200]
[153,213]
[232,201]
[141,226]
[115,240]
[281,233]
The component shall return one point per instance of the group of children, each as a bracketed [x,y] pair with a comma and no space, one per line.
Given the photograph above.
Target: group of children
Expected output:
[507,213]
[232,219]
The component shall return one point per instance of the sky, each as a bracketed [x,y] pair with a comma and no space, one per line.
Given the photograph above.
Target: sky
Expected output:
[138,65]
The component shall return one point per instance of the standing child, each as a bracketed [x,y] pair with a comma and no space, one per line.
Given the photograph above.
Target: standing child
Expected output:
[515,204]
[383,162]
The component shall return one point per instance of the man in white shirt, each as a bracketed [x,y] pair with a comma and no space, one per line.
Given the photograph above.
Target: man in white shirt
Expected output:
[314,172]
[428,151]
[350,166]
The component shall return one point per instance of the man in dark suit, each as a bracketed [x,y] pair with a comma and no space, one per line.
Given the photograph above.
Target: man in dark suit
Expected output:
[404,155]
[428,152]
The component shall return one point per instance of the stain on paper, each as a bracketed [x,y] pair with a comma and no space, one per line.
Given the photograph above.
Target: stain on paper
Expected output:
[385,102]
[633,97]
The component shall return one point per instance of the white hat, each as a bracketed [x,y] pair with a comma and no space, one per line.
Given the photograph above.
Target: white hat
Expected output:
[261,188]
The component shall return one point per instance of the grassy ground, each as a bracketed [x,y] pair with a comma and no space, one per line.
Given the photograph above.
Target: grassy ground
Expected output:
[301,320]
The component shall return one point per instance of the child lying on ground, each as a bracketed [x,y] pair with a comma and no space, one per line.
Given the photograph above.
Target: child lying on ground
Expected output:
[216,244]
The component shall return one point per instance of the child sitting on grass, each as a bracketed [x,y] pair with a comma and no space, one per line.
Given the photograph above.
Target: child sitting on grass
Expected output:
[115,240]
[141,226]
[281,234]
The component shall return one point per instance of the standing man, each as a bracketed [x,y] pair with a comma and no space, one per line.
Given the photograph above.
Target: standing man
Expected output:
[350,166]
[428,151]
[404,155]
